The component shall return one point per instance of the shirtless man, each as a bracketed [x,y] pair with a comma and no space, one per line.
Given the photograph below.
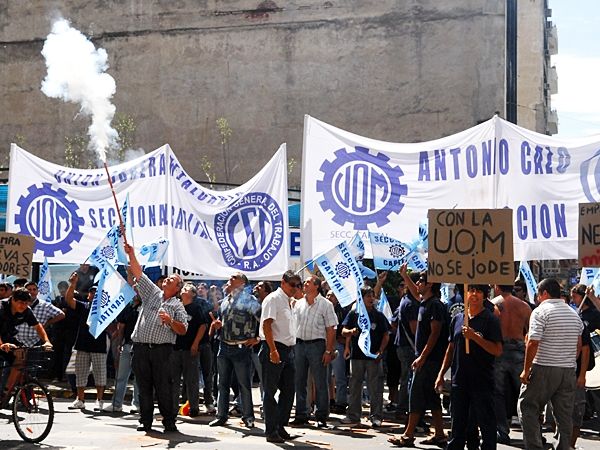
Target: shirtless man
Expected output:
[514,321]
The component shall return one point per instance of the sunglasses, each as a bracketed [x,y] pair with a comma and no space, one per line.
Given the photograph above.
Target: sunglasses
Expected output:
[295,285]
[518,289]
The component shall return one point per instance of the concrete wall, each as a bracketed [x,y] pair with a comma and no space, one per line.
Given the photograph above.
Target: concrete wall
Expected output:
[402,71]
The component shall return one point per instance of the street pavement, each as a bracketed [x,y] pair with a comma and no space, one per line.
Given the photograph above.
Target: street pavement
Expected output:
[74,429]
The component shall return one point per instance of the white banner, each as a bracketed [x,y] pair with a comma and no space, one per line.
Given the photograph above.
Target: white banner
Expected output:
[68,211]
[352,183]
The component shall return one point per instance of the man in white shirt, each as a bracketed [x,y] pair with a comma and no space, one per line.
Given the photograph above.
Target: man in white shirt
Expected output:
[278,334]
[554,340]
[315,343]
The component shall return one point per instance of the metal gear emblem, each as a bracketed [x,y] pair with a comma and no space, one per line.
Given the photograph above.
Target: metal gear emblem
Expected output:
[361,188]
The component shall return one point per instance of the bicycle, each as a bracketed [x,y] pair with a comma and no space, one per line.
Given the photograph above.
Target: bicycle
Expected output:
[32,406]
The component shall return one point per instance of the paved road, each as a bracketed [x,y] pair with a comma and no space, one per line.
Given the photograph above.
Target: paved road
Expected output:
[88,430]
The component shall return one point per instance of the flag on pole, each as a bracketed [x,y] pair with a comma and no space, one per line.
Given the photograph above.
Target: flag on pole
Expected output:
[112,295]
[364,323]
[45,288]
[383,306]
[388,253]
[339,268]
[529,280]
[152,253]
[357,248]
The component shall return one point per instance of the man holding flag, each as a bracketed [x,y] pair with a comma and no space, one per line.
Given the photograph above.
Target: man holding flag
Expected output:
[89,349]
[367,334]
[162,317]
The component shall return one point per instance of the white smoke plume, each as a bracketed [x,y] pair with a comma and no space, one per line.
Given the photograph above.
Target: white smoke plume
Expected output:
[76,73]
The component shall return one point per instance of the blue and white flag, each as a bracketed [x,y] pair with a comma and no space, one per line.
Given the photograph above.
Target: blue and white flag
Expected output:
[357,248]
[445,292]
[152,253]
[587,276]
[364,323]
[594,281]
[417,261]
[106,253]
[339,268]
[112,295]
[529,280]
[388,253]
[45,288]
[383,306]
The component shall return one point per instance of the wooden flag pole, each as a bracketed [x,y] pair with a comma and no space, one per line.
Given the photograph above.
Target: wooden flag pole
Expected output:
[116,203]
[466,313]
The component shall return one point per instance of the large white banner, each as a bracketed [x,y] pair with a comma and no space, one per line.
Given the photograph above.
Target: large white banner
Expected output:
[214,233]
[352,183]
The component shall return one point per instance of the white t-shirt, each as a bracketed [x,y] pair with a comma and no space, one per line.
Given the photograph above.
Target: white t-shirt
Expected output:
[276,306]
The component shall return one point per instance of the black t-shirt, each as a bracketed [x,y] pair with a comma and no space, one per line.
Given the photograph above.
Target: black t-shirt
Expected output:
[429,310]
[475,370]
[129,317]
[9,322]
[379,328]
[407,312]
[591,318]
[585,340]
[196,318]
[85,342]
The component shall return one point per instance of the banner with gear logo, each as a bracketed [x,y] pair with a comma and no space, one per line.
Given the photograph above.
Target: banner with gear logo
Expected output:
[353,184]
[69,211]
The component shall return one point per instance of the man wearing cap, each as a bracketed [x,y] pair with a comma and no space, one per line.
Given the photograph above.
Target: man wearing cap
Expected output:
[161,318]
[90,350]
[46,314]
[237,321]
[472,373]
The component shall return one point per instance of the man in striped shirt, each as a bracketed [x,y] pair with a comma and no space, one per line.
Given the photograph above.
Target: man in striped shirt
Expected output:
[554,340]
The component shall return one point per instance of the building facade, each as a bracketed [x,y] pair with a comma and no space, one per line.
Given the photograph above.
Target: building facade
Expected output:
[395,71]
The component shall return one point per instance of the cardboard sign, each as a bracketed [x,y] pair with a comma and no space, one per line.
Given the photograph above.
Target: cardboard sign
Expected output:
[471,246]
[16,254]
[589,235]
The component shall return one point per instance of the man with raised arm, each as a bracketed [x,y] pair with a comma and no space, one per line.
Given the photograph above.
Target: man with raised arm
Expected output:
[162,317]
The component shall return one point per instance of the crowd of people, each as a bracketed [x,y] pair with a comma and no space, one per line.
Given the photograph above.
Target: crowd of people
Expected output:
[506,356]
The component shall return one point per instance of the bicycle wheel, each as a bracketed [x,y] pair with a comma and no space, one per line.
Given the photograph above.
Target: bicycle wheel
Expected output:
[33,411]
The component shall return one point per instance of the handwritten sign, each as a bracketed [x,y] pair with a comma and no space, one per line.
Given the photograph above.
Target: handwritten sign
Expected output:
[471,246]
[589,235]
[16,254]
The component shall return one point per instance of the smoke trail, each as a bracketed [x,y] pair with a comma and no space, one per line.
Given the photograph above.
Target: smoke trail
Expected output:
[76,73]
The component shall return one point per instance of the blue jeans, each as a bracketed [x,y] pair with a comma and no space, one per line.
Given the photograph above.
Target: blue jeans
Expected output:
[310,355]
[123,379]
[507,372]
[338,367]
[277,377]
[229,359]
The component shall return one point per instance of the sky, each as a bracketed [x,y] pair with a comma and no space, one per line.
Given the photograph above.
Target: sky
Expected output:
[578,66]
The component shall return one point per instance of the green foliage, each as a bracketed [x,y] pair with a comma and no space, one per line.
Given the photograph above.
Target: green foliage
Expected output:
[207,168]
[291,164]
[77,154]
[126,127]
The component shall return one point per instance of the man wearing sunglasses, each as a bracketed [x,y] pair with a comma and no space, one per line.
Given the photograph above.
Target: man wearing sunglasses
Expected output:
[277,357]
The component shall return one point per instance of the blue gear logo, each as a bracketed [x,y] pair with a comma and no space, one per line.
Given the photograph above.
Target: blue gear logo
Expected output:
[44,288]
[361,188]
[589,175]
[250,232]
[108,252]
[342,269]
[47,215]
[396,251]
[104,300]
